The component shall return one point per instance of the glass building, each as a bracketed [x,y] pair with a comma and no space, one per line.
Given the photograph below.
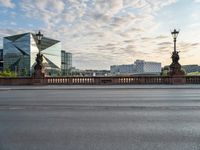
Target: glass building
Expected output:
[1,59]
[19,53]
[66,63]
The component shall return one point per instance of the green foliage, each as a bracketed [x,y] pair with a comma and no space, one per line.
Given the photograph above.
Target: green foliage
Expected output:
[7,73]
[194,74]
[164,73]
[24,72]
[183,70]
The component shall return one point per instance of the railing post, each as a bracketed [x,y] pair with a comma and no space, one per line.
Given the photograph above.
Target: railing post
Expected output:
[178,80]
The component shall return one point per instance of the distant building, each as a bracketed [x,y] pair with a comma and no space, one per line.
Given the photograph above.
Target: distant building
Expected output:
[123,69]
[147,67]
[139,67]
[191,68]
[98,73]
[66,63]
[20,52]
[1,59]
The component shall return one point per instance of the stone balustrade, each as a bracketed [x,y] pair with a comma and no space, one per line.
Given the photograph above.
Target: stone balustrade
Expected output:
[101,80]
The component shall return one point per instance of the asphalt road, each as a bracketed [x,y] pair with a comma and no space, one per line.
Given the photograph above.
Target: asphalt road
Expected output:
[100,119]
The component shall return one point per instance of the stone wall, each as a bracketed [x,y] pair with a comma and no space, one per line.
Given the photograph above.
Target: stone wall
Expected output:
[101,80]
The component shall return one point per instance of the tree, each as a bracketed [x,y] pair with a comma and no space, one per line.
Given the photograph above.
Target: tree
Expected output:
[7,73]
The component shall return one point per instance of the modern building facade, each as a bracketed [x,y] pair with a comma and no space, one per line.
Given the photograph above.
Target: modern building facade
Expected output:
[1,59]
[66,63]
[123,69]
[147,67]
[139,67]
[19,53]
[93,73]
[191,68]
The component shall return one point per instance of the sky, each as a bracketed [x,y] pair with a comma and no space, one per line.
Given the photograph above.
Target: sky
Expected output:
[100,33]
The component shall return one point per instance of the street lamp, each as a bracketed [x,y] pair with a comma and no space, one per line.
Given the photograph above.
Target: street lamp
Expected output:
[175,35]
[38,73]
[39,38]
[175,67]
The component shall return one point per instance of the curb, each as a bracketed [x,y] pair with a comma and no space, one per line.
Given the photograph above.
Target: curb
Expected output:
[7,88]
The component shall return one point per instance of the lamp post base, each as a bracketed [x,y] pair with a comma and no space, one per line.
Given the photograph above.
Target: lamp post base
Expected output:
[38,68]
[175,70]
[38,74]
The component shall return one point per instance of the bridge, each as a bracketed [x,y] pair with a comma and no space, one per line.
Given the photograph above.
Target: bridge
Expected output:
[116,80]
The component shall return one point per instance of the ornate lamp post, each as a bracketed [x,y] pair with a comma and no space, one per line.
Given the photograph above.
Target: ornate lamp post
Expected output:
[38,68]
[39,38]
[175,35]
[175,67]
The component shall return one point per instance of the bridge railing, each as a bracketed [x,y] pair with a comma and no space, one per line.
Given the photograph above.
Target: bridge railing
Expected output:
[70,80]
[101,80]
[192,79]
[108,80]
[16,81]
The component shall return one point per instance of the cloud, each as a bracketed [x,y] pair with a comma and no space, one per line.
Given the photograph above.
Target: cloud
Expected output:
[197,1]
[49,11]
[57,6]
[165,43]
[161,37]
[107,7]
[7,3]
[104,32]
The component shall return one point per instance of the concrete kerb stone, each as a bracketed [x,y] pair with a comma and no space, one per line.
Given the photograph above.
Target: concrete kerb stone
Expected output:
[111,87]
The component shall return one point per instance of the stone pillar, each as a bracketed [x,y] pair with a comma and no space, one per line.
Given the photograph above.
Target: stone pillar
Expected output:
[178,80]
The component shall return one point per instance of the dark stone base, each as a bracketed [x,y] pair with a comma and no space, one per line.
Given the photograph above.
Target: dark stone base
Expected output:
[37,81]
[176,80]
[175,70]
[176,73]
[38,74]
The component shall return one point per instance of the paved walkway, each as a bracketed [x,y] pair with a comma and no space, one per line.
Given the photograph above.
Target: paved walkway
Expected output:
[94,87]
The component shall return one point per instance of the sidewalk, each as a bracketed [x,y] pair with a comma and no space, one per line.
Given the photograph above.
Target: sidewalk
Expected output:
[97,87]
